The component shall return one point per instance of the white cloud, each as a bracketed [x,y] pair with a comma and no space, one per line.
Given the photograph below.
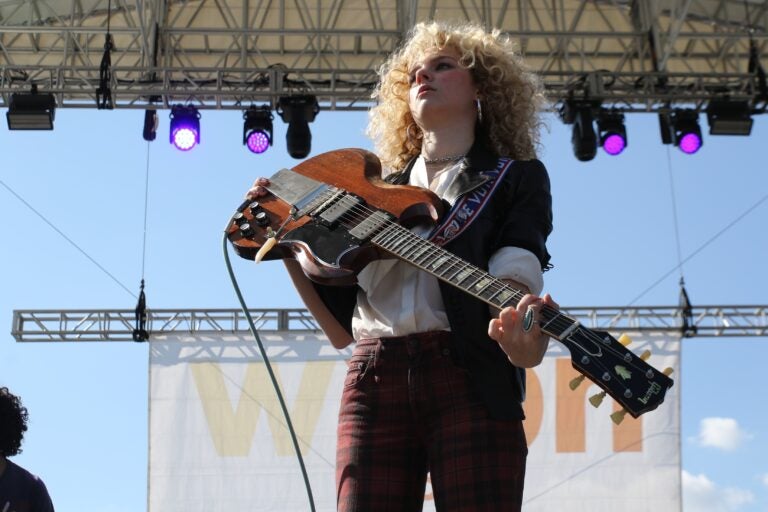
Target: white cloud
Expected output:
[700,494]
[723,433]
[764,479]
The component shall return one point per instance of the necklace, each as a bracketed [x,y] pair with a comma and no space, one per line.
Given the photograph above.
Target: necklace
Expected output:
[444,159]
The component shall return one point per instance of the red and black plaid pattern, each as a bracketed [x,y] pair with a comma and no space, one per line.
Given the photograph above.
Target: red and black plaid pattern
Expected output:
[408,409]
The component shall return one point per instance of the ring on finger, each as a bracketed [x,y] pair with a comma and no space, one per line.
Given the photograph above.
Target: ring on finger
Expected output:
[528,319]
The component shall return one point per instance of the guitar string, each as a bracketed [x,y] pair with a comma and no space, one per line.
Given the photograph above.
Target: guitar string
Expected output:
[358,213]
[411,242]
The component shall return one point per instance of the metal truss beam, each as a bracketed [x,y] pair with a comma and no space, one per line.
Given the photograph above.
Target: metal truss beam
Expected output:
[638,55]
[117,325]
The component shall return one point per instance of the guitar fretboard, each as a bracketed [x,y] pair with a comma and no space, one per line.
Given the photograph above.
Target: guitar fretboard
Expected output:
[435,260]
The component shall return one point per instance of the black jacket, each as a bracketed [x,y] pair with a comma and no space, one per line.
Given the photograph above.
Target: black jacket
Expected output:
[519,214]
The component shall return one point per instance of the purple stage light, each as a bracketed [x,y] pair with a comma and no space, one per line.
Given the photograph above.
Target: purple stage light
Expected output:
[185,127]
[185,138]
[690,143]
[614,144]
[257,142]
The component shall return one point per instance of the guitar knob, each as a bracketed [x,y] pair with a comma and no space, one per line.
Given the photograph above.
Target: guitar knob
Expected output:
[261,219]
[239,218]
[254,207]
[246,230]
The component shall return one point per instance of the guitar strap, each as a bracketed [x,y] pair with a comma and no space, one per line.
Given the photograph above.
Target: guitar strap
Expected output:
[466,209]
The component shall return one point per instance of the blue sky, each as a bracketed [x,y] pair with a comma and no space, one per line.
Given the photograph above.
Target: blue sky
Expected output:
[614,237]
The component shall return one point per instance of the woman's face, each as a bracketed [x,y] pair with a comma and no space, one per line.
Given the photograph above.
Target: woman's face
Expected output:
[441,90]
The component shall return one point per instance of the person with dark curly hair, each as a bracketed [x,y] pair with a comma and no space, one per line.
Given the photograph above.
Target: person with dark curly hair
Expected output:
[20,490]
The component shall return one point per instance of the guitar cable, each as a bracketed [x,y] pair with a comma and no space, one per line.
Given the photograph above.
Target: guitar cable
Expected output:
[275,385]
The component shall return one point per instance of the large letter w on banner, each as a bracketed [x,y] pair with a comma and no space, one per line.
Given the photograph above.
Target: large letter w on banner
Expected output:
[232,428]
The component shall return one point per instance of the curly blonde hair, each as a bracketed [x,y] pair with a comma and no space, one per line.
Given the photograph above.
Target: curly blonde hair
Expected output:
[511,95]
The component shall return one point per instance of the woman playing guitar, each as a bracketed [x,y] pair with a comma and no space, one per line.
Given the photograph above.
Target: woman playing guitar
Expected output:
[436,381]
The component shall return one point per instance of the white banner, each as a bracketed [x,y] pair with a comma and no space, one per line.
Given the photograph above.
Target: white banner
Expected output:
[218,439]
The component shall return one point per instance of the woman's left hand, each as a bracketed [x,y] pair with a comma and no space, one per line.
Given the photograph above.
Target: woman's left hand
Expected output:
[523,342]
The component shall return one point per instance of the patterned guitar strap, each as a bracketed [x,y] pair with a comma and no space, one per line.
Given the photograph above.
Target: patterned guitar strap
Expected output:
[466,209]
[464,212]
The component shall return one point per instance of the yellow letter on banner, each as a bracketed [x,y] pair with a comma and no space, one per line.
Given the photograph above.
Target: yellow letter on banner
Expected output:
[232,429]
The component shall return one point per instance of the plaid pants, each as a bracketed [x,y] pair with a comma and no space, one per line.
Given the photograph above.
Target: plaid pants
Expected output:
[407,409]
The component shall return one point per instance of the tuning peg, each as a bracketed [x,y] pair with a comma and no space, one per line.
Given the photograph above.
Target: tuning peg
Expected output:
[597,399]
[618,416]
[668,371]
[645,355]
[625,340]
[576,381]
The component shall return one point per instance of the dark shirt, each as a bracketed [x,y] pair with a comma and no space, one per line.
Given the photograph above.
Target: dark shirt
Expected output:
[21,491]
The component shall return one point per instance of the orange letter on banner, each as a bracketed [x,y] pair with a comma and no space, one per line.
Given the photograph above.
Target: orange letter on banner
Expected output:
[533,406]
[628,435]
[569,418]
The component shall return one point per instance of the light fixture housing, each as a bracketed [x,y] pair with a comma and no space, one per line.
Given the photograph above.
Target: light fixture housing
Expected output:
[729,117]
[31,111]
[185,127]
[613,133]
[257,128]
[149,133]
[686,130]
[298,112]
[583,136]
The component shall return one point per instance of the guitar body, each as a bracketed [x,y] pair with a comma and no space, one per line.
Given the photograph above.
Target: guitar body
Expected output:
[326,251]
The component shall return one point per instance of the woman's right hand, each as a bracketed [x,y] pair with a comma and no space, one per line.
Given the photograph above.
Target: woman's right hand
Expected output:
[257,189]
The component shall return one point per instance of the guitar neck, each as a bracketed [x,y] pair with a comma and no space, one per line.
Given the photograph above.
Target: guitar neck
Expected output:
[433,259]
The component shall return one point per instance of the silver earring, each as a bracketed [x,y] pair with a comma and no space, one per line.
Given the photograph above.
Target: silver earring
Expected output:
[479,110]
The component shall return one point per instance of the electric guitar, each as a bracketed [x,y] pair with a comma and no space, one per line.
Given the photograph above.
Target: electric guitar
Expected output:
[334,214]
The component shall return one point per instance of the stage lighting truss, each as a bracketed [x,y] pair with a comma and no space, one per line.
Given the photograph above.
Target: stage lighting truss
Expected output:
[613,133]
[298,112]
[681,128]
[185,127]
[31,111]
[728,117]
[257,128]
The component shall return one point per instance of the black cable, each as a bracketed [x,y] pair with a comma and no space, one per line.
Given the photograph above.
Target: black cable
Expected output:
[263,352]
[701,248]
[65,237]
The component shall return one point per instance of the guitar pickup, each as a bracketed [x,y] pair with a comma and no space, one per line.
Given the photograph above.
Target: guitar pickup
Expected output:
[331,215]
[370,225]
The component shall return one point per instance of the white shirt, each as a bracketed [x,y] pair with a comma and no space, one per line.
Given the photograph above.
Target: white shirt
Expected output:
[397,298]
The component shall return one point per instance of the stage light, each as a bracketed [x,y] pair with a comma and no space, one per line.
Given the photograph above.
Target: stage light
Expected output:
[613,134]
[185,127]
[31,111]
[687,133]
[726,117]
[298,112]
[257,128]
[583,137]
[150,125]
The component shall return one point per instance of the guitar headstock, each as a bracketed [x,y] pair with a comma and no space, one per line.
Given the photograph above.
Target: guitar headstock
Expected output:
[625,376]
